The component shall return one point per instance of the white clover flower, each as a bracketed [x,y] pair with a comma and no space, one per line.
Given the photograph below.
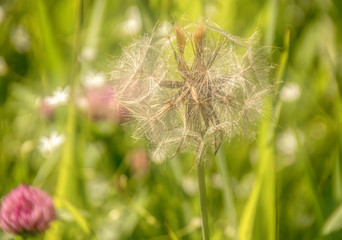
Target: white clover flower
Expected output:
[59,97]
[94,79]
[50,144]
[194,88]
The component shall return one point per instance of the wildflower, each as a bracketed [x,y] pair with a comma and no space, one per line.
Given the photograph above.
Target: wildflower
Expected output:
[99,101]
[59,97]
[50,144]
[26,209]
[94,79]
[101,104]
[48,104]
[193,89]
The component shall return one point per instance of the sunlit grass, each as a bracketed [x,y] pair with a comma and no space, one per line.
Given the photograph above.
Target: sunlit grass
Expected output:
[285,185]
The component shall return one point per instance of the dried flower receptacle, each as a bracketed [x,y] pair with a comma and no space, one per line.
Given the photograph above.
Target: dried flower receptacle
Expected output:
[193,89]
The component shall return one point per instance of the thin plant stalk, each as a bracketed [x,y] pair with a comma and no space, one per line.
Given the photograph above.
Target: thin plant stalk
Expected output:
[68,185]
[227,191]
[203,200]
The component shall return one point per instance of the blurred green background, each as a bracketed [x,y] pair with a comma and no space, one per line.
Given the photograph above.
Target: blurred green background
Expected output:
[285,185]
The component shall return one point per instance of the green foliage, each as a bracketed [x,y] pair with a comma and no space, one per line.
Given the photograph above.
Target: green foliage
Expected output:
[285,185]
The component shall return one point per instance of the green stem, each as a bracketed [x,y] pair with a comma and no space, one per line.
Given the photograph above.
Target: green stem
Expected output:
[203,200]
[227,191]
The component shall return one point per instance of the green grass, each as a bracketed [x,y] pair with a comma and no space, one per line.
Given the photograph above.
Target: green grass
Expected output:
[285,185]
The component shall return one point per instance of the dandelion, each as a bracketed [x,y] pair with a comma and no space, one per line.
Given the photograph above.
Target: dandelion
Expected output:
[26,210]
[193,89]
[50,144]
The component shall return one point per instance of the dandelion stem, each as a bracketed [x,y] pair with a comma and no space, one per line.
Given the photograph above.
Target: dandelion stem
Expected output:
[227,191]
[203,200]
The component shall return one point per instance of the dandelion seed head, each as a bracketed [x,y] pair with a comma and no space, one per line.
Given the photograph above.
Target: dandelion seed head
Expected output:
[194,88]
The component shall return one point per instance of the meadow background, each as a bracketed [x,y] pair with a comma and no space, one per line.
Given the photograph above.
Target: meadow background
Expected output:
[285,185]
